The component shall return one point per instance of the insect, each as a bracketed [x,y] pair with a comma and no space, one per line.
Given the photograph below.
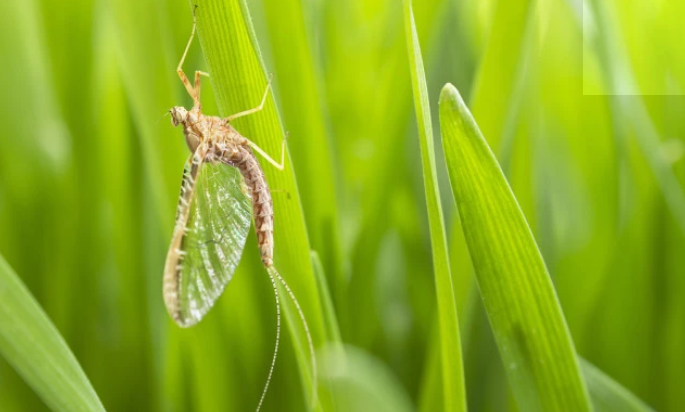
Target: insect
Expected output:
[223,189]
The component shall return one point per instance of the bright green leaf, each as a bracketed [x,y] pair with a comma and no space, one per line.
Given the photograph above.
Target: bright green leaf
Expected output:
[331,322]
[521,303]
[33,346]
[452,368]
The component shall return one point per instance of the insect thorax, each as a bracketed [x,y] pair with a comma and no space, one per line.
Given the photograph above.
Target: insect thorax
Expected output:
[213,130]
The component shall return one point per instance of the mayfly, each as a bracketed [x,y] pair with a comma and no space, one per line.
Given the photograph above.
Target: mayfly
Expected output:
[223,189]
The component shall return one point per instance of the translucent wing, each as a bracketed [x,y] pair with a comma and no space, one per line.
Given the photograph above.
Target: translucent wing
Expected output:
[212,223]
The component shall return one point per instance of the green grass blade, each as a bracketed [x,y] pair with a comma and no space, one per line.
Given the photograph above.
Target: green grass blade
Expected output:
[430,396]
[239,79]
[34,347]
[452,368]
[327,396]
[330,320]
[607,395]
[298,81]
[521,303]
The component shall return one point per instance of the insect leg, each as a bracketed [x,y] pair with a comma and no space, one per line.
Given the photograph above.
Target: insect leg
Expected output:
[279,166]
[195,95]
[197,82]
[254,110]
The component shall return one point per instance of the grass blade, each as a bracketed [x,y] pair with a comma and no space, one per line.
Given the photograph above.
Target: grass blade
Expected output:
[238,79]
[298,81]
[452,368]
[521,303]
[607,395]
[34,347]
[328,310]
[335,347]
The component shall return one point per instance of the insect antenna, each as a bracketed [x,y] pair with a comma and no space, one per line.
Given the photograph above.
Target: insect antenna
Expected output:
[273,272]
[278,339]
[166,113]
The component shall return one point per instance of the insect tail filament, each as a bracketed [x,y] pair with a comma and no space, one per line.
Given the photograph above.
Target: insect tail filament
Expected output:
[278,339]
[274,273]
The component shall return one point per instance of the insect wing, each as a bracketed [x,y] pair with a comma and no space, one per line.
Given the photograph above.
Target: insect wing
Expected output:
[212,224]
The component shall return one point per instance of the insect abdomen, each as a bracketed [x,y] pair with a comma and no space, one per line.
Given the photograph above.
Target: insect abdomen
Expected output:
[262,205]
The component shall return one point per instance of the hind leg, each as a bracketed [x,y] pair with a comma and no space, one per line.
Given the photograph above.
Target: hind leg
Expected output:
[279,166]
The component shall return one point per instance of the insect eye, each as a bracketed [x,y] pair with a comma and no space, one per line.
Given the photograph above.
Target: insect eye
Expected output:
[178,115]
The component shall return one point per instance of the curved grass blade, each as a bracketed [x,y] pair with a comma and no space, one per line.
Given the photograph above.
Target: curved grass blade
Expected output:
[521,303]
[33,346]
[238,78]
[450,345]
[607,395]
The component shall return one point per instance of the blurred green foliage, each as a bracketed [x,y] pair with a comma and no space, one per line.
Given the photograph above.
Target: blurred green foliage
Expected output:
[581,101]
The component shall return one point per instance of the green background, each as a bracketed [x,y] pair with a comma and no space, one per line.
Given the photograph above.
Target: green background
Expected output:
[580,101]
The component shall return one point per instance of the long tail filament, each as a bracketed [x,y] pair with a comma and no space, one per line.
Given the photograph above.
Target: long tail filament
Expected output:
[274,273]
[278,340]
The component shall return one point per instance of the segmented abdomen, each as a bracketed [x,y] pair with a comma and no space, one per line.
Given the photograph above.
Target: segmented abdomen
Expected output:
[262,205]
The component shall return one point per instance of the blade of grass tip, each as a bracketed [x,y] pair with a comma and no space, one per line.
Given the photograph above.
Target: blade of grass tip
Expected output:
[35,349]
[452,368]
[607,395]
[524,312]
[239,80]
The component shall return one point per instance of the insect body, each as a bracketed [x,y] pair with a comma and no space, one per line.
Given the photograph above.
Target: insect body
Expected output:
[222,191]
[217,147]
[211,220]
